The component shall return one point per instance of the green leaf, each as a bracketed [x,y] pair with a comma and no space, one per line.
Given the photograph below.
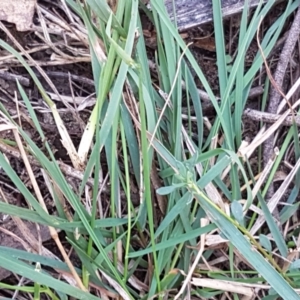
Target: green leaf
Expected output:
[265,242]
[175,241]
[23,269]
[165,190]
[246,249]
[237,212]
[295,265]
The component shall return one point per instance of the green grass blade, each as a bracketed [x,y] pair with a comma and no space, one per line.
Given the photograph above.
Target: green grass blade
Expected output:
[31,273]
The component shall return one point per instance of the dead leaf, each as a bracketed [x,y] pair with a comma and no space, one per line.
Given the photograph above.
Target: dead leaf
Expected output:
[19,12]
[206,43]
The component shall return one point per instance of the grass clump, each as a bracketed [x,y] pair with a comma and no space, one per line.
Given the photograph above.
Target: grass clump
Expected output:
[199,205]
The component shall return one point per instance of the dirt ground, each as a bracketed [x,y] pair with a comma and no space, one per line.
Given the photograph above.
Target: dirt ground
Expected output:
[73,76]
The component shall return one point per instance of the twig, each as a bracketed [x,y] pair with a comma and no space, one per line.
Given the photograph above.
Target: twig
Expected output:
[204,97]
[207,104]
[13,77]
[66,75]
[276,88]
[256,115]
[264,134]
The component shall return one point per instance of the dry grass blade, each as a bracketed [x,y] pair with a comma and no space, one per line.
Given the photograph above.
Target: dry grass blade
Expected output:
[167,101]
[248,150]
[32,244]
[264,173]
[228,286]
[59,27]
[53,232]
[290,93]
[14,236]
[66,140]
[69,171]
[273,202]
[117,287]
[204,222]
